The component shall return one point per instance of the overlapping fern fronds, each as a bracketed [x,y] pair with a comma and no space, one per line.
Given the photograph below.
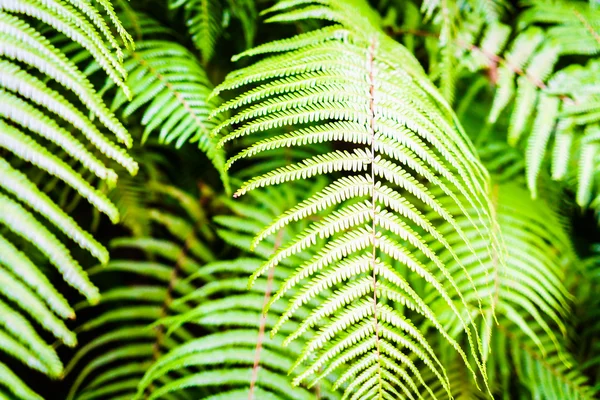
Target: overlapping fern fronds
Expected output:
[42,93]
[230,366]
[531,302]
[349,83]
[133,195]
[126,336]
[208,321]
[558,107]
[235,355]
[218,363]
[204,21]
[517,363]
[574,24]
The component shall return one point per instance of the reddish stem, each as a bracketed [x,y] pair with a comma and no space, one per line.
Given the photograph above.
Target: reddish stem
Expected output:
[263,320]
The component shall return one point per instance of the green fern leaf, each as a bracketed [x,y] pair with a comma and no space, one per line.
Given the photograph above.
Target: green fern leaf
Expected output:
[571,19]
[226,356]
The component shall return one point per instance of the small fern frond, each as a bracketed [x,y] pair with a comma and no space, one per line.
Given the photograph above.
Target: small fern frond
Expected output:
[204,21]
[447,18]
[491,10]
[345,82]
[454,21]
[134,195]
[545,374]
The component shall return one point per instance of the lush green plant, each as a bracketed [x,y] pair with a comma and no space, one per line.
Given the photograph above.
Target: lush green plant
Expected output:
[414,187]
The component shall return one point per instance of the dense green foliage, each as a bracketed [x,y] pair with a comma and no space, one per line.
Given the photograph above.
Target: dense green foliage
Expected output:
[306,199]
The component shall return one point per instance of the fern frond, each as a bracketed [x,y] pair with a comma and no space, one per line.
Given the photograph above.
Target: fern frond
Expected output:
[491,10]
[171,87]
[538,141]
[546,375]
[41,94]
[447,18]
[131,199]
[74,24]
[19,81]
[17,183]
[454,22]
[588,327]
[15,385]
[405,134]
[231,314]
[27,149]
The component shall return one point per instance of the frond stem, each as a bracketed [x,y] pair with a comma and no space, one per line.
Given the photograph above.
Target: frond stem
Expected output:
[160,329]
[495,227]
[263,320]
[371,77]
